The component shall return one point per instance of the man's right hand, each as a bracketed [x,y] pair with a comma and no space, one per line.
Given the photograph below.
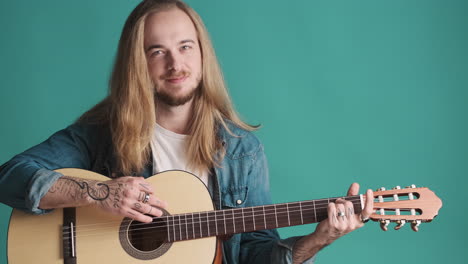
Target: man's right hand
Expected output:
[132,197]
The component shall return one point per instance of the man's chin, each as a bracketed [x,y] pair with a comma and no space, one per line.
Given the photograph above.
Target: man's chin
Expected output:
[172,100]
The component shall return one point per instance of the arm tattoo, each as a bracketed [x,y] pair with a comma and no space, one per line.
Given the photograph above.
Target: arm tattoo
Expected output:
[99,194]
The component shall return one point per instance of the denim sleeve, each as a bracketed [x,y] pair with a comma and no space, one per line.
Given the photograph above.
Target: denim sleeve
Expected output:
[27,177]
[264,246]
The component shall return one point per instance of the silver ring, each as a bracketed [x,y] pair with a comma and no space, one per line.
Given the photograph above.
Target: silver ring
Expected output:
[342,214]
[364,219]
[146,199]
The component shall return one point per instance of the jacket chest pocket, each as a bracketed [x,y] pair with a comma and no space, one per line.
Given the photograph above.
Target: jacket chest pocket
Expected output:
[235,197]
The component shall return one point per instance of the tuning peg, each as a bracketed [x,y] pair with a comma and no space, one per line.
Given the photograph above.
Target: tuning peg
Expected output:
[397,188]
[415,225]
[381,189]
[400,224]
[411,186]
[384,224]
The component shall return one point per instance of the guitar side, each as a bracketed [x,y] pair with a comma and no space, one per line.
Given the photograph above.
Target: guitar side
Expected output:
[38,238]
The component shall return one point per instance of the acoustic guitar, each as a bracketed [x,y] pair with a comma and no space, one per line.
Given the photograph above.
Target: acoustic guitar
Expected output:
[188,231]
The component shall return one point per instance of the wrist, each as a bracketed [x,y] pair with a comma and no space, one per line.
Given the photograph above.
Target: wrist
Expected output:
[308,246]
[319,239]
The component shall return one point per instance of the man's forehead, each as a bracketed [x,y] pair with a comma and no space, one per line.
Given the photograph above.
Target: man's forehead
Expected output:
[169,26]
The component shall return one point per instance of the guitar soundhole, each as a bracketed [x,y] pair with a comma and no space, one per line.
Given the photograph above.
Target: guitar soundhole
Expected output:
[147,237]
[144,241]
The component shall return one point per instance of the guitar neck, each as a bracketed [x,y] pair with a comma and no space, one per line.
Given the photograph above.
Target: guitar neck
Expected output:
[240,220]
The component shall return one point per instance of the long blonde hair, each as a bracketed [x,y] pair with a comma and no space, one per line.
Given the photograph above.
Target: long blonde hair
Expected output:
[129,109]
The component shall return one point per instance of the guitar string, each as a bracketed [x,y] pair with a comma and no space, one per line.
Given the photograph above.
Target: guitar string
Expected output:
[210,215]
[178,237]
[142,237]
[201,217]
[316,202]
[201,220]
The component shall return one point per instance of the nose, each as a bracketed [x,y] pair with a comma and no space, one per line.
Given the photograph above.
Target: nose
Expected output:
[174,62]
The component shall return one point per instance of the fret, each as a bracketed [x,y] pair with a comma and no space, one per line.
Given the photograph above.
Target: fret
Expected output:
[178,232]
[180,227]
[168,219]
[276,216]
[208,223]
[302,217]
[185,231]
[200,221]
[224,216]
[216,223]
[193,227]
[243,218]
[253,218]
[174,228]
[287,211]
[315,212]
[264,217]
[186,227]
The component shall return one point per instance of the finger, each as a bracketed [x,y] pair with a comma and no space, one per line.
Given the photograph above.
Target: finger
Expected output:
[147,209]
[153,200]
[340,208]
[340,200]
[332,219]
[349,207]
[156,201]
[353,189]
[135,215]
[353,219]
[141,196]
[146,187]
[369,206]
[154,211]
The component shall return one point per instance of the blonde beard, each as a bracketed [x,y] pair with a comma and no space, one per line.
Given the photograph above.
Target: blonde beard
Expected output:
[173,100]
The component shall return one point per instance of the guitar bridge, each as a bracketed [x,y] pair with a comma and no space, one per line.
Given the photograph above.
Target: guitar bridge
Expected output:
[69,236]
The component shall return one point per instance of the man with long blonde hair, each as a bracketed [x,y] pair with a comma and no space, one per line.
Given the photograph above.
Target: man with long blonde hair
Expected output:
[167,108]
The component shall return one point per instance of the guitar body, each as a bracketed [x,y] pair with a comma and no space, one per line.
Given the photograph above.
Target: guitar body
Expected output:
[39,238]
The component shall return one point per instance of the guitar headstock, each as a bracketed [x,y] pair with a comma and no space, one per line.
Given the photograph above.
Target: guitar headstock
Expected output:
[410,204]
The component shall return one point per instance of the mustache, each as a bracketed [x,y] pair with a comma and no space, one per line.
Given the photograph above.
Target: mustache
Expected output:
[176,75]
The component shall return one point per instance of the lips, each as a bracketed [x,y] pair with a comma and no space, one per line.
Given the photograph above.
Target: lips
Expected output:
[176,79]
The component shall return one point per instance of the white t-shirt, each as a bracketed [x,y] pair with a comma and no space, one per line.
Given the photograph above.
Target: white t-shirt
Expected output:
[169,152]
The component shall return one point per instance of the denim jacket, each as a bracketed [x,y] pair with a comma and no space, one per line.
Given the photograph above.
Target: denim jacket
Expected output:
[241,181]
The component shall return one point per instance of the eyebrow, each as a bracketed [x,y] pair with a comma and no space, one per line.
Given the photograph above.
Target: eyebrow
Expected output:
[158,46]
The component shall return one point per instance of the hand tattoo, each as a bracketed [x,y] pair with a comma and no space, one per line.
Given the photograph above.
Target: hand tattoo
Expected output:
[144,186]
[117,195]
[137,206]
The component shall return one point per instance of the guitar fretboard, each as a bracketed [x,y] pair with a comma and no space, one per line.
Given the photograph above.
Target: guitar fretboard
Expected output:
[240,220]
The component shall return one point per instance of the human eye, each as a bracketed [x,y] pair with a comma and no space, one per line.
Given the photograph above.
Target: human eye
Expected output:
[156,53]
[186,47]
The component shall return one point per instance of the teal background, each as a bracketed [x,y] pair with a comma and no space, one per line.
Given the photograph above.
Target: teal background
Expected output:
[372,91]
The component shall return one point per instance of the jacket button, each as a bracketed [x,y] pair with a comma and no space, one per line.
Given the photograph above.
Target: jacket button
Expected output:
[239,201]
